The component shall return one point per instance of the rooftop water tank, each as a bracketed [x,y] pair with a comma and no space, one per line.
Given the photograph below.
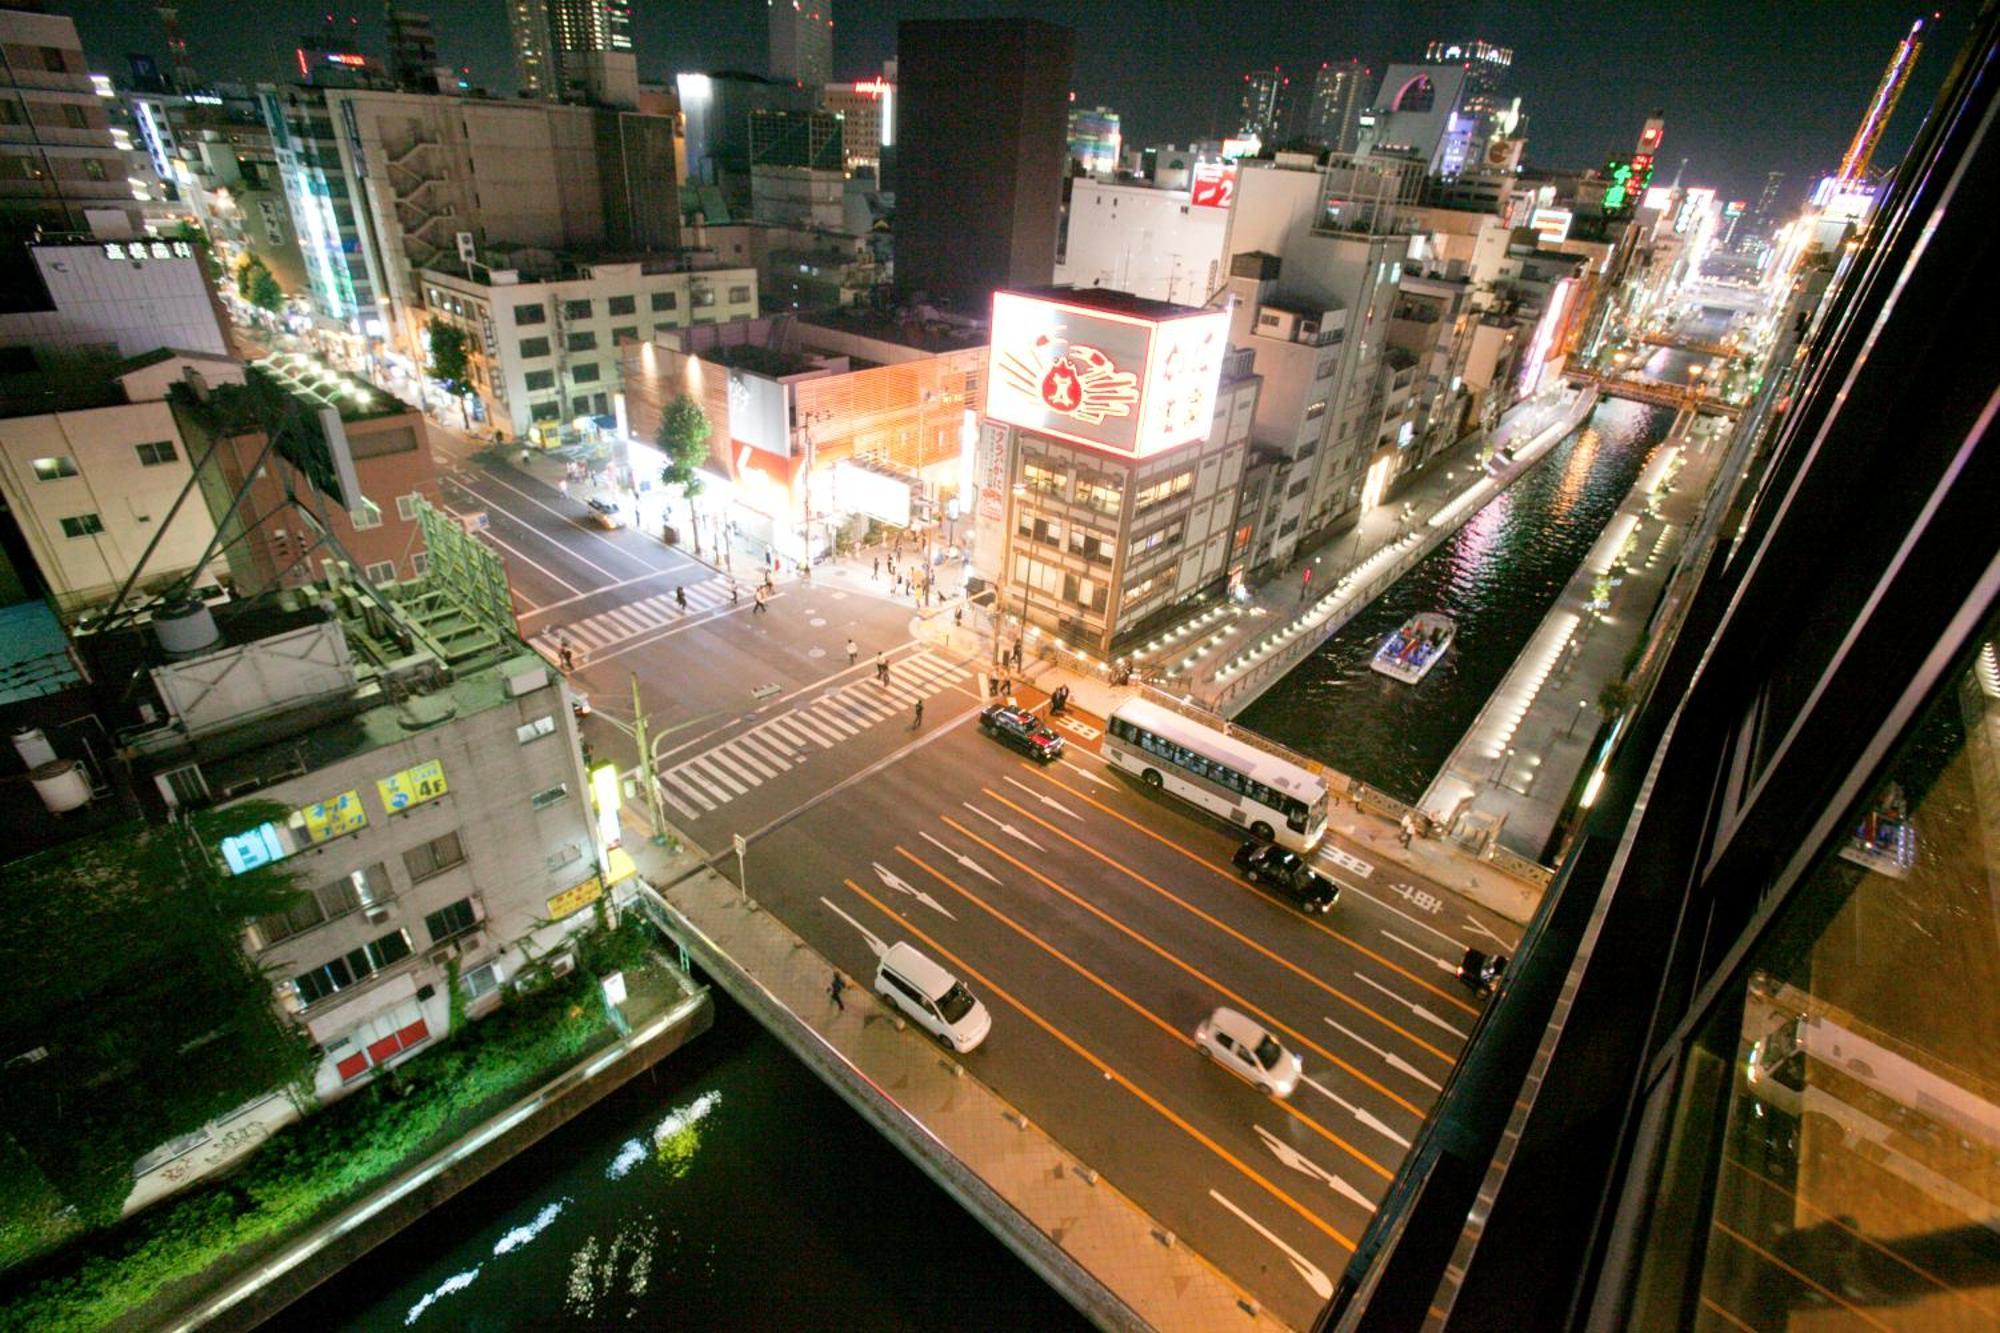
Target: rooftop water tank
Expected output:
[33,747]
[186,628]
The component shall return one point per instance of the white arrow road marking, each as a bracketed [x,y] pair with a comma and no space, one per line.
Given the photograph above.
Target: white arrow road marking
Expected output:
[1084,773]
[1474,924]
[1416,1009]
[1318,1281]
[1367,1118]
[900,885]
[1004,827]
[959,857]
[874,941]
[1441,963]
[1299,1162]
[1049,801]
[1390,1058]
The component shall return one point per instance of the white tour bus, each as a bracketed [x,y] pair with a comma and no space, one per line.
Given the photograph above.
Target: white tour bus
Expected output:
[1271,798]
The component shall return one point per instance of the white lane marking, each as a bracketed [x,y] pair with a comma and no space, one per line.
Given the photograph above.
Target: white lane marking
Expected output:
[1003,826]
[960,857]
[524,557]
[1422,925]
[622,583]
[667,795]
[1389,1058]
[1416,1009]
[1083,773]
[1322,1286]
[875,942]
[570,520]
[901,885]
[1346,860]
[1475,924]
[1049,801]
[1304,1165]
[1442,965]
[1367,1118]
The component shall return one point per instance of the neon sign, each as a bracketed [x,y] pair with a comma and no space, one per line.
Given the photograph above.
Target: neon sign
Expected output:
[874,88]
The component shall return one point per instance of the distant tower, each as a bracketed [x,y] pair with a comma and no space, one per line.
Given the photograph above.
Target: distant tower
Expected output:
[413,49]
[1339,92]
[182,67]
[1883,105]
[1265,109]
[1768,200]
[802,42]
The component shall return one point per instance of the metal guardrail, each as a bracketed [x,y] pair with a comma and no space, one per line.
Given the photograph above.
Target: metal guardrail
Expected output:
[1520,867]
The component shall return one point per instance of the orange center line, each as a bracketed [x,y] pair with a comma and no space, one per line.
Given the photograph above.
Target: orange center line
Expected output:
[1201,860]
[1104,1067]
[1225,928]
[1162,1024]
[1207,980]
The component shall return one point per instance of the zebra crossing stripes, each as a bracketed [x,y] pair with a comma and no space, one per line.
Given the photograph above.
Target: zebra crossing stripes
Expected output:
[609,628]
[710,780]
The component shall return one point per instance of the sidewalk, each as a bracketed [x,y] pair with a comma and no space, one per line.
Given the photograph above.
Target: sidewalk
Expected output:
[1103,1252]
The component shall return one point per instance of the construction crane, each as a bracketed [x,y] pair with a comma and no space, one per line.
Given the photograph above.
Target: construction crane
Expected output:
[1854,166]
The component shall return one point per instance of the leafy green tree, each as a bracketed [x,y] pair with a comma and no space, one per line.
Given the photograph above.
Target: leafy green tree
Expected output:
[683,438]
[132,1014]
[255,284]
[449,363]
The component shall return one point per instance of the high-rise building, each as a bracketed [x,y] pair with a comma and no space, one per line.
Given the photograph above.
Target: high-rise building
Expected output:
[1767,200]
[1094,141]
[59,166]
[413,49]
[1340,90]
[1264,107]
[979,184]
[1741,1073]
[574,50]
[1485,65]
[1420,114]
[867,109]
[802,41]
[179,62]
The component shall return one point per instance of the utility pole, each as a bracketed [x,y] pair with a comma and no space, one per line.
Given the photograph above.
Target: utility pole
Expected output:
[654,814]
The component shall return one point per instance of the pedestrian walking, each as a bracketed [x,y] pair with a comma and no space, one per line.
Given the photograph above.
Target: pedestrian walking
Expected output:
[1017,654]
[562,487]
[734,591]
[681,598]
[1406,831]
[920,715]
[524,456]
[834,989]
[568,659]
[878,567]
[882,667]
[761,608]
[958,617]
[853,652]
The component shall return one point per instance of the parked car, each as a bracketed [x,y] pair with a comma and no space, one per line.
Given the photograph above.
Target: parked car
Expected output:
[605,513]
[1266,863]
[1023,731]
[1245,1049]
[1480,972]
[933,998]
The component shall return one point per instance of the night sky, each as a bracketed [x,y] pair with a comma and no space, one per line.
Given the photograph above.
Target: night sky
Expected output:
[1748,86]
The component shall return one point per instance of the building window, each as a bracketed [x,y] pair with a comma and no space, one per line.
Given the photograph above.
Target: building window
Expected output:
[625,333]
[621,305]
[52,469]
[52,60]
[583,341]
[531,314]
[351,968]
[434,857]
[74,118]
[586,373]
[82,525]
[93,169]
[1316,410]
[546,411]
[1037,527]
[451,919]
[156,453]
[549,796]
[482,981]
[10,112]
[367,888]
[534,347]
[540,379]
[1163,490]
[576,310]
[1099,493]
[663,301]
[382,571]
[365,515]
[701,297]
[1091,544]
[420,563]
[1045,480]
[739,295]
[406,507]
[534,731]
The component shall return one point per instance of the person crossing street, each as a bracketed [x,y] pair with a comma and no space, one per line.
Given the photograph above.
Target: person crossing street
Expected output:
[853,651]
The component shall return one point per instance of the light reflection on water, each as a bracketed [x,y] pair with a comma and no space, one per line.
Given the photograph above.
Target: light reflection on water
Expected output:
[1497,577]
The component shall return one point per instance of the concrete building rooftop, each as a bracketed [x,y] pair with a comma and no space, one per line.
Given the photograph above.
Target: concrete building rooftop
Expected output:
[926,331]
[77,386]
[760,360]
[305,381]
[1115,302]
[530,264]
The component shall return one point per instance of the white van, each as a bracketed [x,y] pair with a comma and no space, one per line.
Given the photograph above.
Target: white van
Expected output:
[1243,1047]
[933,998]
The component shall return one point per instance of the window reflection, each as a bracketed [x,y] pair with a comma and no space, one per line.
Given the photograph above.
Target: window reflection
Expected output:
[1858,1181]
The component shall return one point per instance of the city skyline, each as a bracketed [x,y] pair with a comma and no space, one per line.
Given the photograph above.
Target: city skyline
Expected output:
[1704,64]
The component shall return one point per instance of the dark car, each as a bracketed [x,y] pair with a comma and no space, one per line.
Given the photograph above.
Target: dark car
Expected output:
[1480,972]
[1022,730]
[1287,872]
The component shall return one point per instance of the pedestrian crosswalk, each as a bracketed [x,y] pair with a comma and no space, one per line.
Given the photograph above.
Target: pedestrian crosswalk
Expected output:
[701,785]
[606,629]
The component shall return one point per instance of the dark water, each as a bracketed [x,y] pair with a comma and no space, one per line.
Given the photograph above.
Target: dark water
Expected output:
[1497,577]
[727,1189]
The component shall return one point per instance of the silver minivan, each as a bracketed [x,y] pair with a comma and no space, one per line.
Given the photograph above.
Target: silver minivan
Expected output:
[932,998]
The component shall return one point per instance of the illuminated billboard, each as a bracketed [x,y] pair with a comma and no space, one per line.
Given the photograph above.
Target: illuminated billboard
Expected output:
[1552,224]
[1214,185]
[1629,180]
[1119,382]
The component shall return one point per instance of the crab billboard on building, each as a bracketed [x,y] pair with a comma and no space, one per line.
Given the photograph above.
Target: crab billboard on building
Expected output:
[1114,379]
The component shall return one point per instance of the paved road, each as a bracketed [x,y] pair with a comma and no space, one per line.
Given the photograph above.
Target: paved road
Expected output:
[1098,921]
